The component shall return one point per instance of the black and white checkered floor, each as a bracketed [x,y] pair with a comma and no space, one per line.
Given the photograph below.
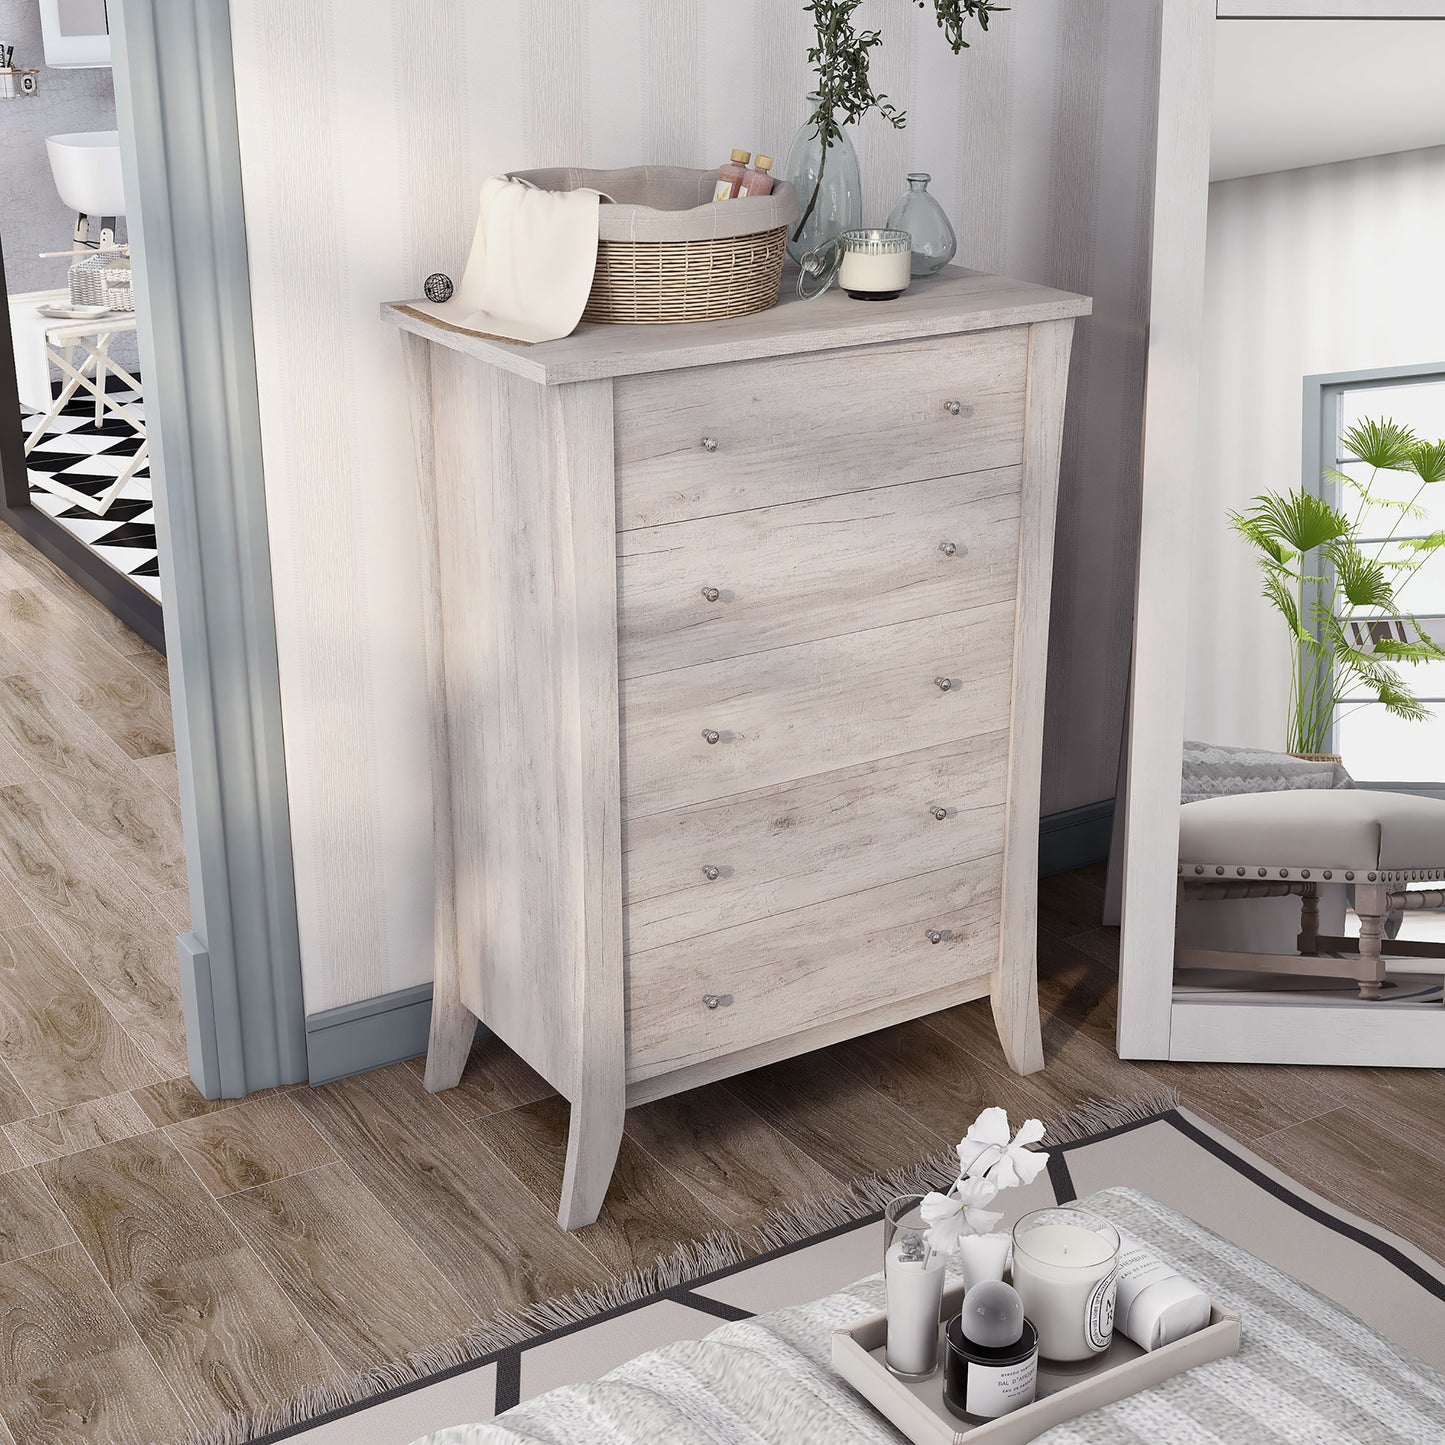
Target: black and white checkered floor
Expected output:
[78,455]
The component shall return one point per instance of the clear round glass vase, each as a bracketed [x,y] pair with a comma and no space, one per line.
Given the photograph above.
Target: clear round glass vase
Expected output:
[923,218]
[834,176]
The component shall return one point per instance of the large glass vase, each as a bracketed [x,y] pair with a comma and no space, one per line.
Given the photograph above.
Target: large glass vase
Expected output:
[830,190]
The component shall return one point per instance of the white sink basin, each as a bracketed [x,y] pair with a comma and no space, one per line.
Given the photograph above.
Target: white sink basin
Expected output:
[86,167]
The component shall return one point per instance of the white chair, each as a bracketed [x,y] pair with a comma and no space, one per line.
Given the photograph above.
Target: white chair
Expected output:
[1269,845]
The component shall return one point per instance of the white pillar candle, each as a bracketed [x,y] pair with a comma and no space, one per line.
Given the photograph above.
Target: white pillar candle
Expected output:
[862,271]
[983,1257]
[1064,1271]
[913,1278]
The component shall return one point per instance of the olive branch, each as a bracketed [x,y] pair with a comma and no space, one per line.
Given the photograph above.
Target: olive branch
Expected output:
[841,57]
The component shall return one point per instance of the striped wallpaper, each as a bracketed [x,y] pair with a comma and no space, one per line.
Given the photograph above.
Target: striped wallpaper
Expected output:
[1326,268]
[367,127]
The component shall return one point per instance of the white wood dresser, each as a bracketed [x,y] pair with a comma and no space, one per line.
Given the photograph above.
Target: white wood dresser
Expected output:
[737,642]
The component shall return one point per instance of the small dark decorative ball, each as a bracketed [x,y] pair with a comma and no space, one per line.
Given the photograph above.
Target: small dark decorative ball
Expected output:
[438,287]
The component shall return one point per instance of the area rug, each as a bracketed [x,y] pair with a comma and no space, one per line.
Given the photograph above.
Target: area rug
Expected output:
[1306,1373]
[1169,1155]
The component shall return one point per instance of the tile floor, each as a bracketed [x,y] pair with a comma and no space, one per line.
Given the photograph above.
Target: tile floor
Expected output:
[77,460]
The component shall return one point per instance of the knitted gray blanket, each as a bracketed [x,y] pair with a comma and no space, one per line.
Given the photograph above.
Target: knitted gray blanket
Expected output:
[1308,1372]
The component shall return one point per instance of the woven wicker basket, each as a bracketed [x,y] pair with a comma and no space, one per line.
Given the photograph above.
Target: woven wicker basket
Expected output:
[667,252]
[102,278]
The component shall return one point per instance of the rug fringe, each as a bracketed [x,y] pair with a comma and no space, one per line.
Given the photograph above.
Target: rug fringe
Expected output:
[1096,1116]
[718,1250]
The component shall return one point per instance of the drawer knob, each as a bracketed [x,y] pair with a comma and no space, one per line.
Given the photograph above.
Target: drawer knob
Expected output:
[945,684]
[712,1000]
[710,594]
[710,873]
[710,736]
[953,408]
[934,936]
[709,444]
[947,548]
[939,813]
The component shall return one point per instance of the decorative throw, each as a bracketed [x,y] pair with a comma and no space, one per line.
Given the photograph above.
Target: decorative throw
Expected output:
[531,265]
[1308,1372]
[1212,770]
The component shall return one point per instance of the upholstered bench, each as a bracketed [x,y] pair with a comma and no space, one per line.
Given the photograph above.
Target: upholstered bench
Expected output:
[1267,845]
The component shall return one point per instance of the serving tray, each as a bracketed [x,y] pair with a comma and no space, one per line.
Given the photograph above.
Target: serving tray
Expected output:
[1065,1393]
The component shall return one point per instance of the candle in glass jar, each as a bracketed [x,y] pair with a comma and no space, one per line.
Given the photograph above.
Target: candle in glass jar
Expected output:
[876,265]
[1064,1271]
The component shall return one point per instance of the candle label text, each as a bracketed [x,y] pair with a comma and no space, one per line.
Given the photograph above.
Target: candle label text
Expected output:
[994,1390]
[1099,1312]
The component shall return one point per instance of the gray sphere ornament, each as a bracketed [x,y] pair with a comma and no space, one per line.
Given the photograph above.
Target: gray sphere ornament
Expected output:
[993,1315]
[438,287]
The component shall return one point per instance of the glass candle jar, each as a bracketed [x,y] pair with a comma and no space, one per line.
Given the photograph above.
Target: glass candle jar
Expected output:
[1064,1269]
[876,265]
[868,265]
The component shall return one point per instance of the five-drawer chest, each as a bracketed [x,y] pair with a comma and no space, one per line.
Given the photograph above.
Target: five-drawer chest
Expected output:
[737,638]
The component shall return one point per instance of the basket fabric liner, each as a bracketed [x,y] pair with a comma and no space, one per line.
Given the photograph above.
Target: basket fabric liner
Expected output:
[668,203]
[548,251]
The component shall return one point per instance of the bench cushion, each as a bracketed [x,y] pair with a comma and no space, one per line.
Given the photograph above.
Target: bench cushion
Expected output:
[1354,829]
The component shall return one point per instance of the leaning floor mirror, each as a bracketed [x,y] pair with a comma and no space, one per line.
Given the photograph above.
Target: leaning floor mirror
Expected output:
[1284,865]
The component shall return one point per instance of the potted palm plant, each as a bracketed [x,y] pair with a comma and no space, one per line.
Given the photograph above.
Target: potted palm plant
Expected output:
[1338,592]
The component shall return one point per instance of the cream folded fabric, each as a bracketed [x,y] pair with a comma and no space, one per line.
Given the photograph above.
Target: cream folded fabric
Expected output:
[531,264]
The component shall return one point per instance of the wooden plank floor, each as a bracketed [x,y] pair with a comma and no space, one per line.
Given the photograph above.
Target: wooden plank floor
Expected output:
[167,1261]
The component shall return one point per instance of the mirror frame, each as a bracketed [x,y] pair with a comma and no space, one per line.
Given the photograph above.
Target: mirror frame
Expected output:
[1151,1023]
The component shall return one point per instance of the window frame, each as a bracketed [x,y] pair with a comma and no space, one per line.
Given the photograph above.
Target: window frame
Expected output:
[1324,395]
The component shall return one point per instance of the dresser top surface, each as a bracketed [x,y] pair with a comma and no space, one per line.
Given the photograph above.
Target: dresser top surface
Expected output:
[956,300]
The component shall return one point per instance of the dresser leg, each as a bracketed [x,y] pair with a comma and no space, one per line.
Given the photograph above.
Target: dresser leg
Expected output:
[593,1139]
[1016,1016]
[453,1028]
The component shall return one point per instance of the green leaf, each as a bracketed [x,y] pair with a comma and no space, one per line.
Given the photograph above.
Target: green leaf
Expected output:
[1362,579]
[952,15]
[1299,519]
[1384,444]
[1257,536]
[1343,479]
[1421,650]
[1278,592]
[1404,704]
[1427,461]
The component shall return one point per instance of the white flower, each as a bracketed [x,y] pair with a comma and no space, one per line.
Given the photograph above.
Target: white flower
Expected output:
[974,1194]
[986,1151]
[952,1216]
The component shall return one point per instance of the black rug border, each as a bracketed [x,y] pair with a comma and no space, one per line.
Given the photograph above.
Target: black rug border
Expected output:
[508,1358]
[1410,1268]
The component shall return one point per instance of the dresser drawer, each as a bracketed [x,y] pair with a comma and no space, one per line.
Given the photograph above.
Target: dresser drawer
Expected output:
[776,977]
[722,439]
[719,587]
[695,870]
[721,728]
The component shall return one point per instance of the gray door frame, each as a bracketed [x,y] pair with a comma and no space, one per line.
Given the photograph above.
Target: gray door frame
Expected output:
[241,962]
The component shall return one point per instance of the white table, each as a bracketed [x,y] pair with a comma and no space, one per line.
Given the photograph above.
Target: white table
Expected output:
[89,369]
